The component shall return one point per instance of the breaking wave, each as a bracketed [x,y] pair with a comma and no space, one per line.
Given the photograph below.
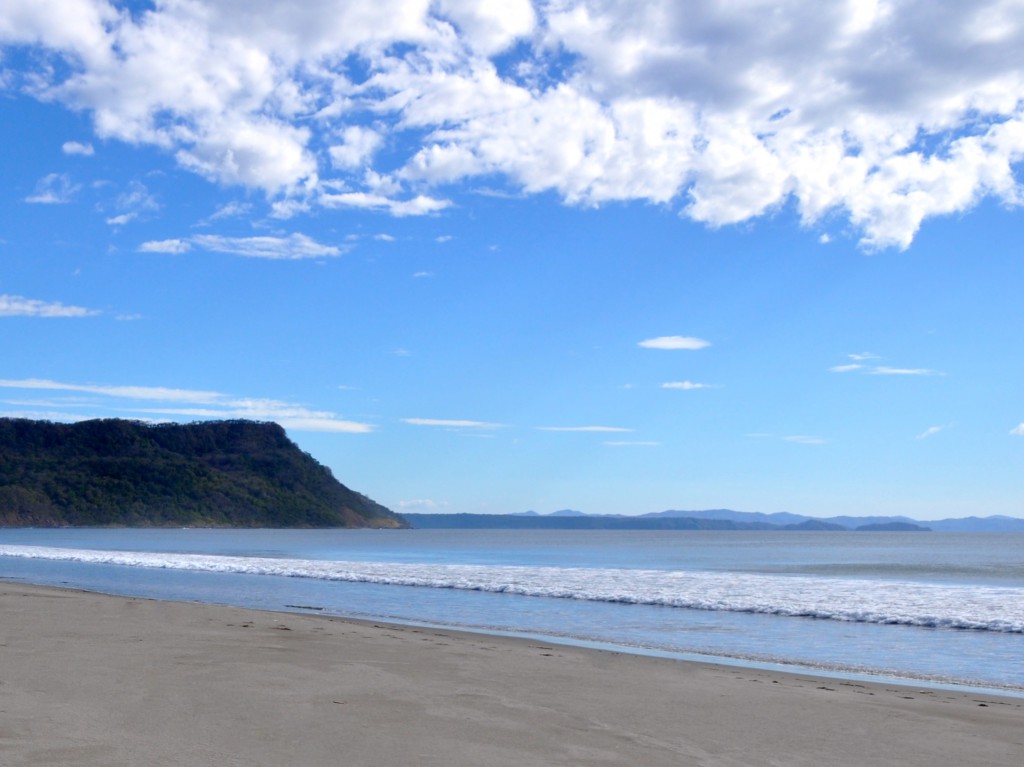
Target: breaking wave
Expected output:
[977,608]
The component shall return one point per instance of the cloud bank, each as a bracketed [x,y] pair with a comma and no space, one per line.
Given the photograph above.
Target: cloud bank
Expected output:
[878,113]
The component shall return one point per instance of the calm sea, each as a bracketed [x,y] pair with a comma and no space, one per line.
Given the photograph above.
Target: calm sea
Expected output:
[933,607]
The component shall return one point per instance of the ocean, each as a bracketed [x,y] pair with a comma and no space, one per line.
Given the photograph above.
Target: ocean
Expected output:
[935,608]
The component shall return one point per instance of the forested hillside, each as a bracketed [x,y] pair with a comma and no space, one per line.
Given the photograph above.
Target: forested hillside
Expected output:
[216,473]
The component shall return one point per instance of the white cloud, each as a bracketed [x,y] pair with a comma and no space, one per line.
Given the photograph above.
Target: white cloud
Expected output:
[583,428]
[228,210]
[932,431]
[883,113]
[191,403]
[879,370]
[357,147]
[888,371]
[455,424]
[54,189]
[384,237]
[19,306]
[675,342]
[422,275]
[125,392]
[77,148]
[45,415]
[1018,431]
[490,28]
[417,206]
[165,246]
[136,200]
[293,247]
[422,503]
[685,385]
[803,439]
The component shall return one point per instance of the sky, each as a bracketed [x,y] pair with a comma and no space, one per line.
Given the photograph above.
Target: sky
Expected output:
[498,257]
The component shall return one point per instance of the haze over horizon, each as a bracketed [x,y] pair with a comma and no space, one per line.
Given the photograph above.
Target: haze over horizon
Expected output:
[493,257]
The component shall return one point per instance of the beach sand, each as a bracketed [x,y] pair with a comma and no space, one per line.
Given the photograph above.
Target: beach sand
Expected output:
[87,679]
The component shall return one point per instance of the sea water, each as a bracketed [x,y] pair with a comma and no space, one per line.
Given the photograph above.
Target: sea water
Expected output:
[933,607]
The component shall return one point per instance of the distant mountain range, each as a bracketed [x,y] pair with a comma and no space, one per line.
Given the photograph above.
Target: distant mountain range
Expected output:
[710,519]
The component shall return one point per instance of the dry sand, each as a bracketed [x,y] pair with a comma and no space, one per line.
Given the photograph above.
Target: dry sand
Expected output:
[87,679]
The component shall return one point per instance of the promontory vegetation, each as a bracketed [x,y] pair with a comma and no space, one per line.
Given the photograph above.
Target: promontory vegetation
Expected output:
[113,472]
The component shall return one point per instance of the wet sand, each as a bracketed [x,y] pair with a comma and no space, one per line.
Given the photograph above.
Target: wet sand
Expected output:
[87,679]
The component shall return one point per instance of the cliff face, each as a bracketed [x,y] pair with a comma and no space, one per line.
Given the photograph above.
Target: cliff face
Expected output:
[126,473]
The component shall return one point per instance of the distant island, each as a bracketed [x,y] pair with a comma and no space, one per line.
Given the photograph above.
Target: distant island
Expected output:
[709,519]
[114,472]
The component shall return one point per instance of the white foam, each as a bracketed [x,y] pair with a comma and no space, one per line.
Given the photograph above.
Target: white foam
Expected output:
[981,608]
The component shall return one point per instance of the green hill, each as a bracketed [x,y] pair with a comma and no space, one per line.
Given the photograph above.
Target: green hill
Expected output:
[113,472]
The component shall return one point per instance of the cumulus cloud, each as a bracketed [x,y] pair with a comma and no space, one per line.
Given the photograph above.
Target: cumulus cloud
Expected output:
[675,342]
[357,147]
[490,28]
[1018,431]
[152,401]
[882,113]
[416,206]
[53,189]
[19,306]
[165,246]
[77,148]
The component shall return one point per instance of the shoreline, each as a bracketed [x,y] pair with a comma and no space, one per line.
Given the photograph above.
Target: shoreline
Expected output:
[834,672]
[837,674]
[93,679]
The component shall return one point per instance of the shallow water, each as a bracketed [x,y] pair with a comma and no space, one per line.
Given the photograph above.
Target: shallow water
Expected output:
[931,606]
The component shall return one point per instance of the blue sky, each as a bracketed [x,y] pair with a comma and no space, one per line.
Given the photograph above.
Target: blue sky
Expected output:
[545,255]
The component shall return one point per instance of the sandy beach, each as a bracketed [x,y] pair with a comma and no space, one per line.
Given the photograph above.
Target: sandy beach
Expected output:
[87,679]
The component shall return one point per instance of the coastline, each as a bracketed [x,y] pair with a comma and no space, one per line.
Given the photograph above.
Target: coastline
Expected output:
[92,679]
